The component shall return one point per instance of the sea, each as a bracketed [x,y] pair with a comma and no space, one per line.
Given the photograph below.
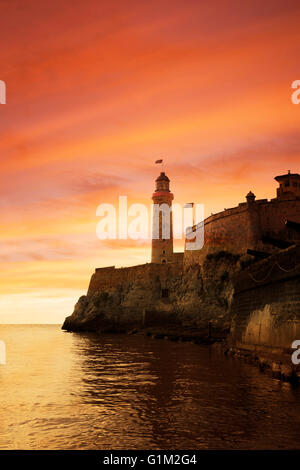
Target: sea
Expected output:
[61,390]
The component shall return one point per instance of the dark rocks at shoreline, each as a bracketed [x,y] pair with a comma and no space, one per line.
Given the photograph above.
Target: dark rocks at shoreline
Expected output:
[253,306]
[278,365]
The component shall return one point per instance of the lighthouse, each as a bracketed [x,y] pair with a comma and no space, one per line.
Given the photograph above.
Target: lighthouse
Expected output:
[162,226]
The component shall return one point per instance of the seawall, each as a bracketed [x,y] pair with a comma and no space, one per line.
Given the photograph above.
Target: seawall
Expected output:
[218,291]
[266,314]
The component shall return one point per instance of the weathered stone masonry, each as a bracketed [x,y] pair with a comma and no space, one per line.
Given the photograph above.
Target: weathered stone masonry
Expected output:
[212,285]
[243,227]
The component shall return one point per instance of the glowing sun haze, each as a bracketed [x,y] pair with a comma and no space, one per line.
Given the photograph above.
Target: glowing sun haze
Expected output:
[97,91]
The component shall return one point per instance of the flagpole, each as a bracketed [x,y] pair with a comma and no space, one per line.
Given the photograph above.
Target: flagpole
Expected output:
[161,162]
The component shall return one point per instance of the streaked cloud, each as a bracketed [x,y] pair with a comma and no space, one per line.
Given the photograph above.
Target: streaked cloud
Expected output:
[96,91]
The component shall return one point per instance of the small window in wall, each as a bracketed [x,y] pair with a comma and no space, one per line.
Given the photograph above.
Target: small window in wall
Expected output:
[164,252]
[287,183]
[163,261]
[165,293]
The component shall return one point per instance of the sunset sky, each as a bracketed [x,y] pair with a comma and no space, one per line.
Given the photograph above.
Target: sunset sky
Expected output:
[97,91]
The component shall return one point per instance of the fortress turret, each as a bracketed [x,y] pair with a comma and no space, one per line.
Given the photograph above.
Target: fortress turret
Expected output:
[162,233]
[289,186]
[250,197]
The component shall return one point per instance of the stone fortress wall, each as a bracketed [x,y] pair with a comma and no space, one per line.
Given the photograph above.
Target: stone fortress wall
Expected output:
[251,299]
[243,227]
[234,230]
[266,305]
[111,277]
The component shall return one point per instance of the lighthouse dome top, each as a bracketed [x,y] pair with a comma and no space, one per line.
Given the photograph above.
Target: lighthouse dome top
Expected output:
[162,183]
[162,177]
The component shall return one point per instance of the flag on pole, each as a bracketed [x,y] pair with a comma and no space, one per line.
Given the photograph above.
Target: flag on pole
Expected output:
[158,161]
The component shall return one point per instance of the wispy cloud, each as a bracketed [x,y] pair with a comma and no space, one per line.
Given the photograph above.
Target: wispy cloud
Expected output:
[97,91]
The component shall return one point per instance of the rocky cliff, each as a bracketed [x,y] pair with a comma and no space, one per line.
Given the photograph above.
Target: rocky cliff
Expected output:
[253,306]
[167,296]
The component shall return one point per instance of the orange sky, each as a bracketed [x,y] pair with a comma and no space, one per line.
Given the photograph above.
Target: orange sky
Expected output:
[96,91]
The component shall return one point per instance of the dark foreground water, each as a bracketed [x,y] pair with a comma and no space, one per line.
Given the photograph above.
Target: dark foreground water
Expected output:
[68,391]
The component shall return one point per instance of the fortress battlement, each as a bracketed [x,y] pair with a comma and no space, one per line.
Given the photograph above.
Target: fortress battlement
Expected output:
[237,229]
[251,223]
[114,278]
[242,285]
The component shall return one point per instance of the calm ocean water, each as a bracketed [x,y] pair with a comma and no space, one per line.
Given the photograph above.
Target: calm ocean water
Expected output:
[62,390]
